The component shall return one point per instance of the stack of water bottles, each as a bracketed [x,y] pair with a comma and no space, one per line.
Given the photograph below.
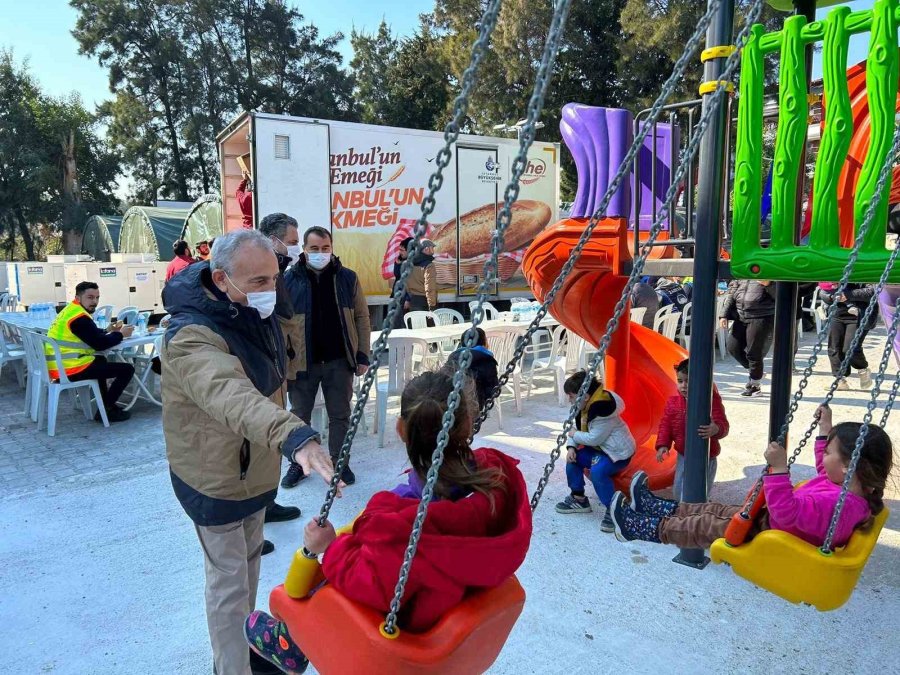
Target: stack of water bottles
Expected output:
[523,309]
[42,312]
[141,326]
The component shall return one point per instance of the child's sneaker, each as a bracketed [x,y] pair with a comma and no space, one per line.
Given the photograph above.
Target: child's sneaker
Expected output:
[607,525]
[751,389]
[631,525]
[865,378]
[842,385]
[269,638]
[644,501]
[573,504]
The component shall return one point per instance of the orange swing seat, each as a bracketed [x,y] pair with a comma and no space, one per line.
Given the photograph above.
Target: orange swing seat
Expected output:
[341,636]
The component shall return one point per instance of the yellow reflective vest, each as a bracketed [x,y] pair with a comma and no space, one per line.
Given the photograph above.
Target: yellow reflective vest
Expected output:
[74,359]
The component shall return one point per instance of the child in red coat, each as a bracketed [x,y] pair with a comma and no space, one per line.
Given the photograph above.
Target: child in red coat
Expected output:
[475,536]
[673,429]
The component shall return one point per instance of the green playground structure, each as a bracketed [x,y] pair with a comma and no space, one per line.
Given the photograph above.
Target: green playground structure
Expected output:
[823,258]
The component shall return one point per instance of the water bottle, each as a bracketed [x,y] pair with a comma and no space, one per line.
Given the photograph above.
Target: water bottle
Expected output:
[141,325]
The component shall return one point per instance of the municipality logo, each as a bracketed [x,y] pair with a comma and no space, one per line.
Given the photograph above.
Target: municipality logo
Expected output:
[491,165]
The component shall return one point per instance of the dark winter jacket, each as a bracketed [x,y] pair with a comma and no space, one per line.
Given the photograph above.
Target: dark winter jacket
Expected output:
[748,299]
[857,299]
[353,314]
[643,295]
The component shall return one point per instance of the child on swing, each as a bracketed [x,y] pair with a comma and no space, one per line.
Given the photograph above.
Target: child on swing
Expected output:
[601,443]
[475,536]
[804,511]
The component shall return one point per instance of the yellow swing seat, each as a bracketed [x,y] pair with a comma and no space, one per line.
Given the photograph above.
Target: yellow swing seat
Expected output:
[798,571]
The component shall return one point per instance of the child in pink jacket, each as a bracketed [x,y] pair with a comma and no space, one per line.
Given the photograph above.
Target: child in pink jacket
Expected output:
[804,511]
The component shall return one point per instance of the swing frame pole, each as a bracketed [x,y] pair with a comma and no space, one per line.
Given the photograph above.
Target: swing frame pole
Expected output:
[707,244]
[785,329]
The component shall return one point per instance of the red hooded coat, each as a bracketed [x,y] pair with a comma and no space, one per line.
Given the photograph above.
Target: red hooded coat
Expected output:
[464,545]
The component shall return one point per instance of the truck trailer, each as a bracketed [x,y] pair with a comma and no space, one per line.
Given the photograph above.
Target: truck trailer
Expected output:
[366,184]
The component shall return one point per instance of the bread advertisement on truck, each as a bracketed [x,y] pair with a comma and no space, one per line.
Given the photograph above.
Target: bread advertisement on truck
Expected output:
[379,178]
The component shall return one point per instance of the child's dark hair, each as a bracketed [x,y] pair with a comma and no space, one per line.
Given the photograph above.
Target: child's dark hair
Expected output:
[573,383]
[422,408]
[682,367]
[481,340]
[875,461]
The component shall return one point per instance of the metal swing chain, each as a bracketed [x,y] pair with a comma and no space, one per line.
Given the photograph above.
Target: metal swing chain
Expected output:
[827,546]
[686,157]
[504,218]
[822,337]
[890,402]
[623,171]
[451,132]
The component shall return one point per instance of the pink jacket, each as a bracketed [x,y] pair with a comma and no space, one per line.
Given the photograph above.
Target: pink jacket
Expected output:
[806,511]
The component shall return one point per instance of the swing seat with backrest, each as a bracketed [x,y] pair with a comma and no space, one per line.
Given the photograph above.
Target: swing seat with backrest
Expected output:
[774,560]
[798,571]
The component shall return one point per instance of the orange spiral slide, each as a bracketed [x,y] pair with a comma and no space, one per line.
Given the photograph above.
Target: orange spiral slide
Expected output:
[639,362]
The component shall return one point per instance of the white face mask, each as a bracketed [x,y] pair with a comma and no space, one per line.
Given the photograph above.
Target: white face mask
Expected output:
[293,252]
[262,301]
[318,261]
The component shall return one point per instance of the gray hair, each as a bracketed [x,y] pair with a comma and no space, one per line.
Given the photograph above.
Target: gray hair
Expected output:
[226,248]
[276,225]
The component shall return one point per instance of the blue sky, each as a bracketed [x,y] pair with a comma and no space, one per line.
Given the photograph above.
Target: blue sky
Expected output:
[40,31]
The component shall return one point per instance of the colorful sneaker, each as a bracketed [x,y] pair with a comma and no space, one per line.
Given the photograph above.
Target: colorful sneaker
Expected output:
[573,504]
[644,501]
[842,385]
[269,638]
[631,525]
[607,525]
[865,378]
[751,389]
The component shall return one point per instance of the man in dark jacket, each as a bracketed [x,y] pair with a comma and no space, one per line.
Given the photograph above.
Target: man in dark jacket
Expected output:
[644,295]
[402,254]
[483,368]
[851,305]
[750,304]
[329,339]
[225,425]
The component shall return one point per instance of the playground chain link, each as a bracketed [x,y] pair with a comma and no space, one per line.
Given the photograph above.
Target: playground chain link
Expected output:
[435,181]
[504,218]
[684,161]
[624,169]
[883,176]
[864,429]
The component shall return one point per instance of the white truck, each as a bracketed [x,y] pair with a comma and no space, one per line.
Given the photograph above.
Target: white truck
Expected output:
[366,184]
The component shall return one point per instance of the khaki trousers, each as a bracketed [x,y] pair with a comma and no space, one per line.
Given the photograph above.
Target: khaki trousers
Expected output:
[696,525]
[231,559]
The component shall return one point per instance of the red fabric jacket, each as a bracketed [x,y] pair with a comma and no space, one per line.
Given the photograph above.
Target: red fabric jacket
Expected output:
[673,425]
[245,202]
[464,546]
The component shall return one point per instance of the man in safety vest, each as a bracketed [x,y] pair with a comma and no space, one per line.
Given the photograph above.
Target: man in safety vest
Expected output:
[75,325]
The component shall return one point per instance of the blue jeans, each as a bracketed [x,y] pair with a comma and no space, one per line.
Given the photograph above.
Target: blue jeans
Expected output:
[602,470]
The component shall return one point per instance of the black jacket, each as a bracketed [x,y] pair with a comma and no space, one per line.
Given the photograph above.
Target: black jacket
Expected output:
[748,299]
[858,297]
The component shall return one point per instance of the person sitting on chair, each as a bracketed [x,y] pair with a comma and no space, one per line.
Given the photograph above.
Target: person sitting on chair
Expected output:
[475,537]
[74,324]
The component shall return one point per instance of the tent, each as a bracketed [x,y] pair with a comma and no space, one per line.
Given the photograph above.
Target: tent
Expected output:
[151,230]
[204,220]
[101,237]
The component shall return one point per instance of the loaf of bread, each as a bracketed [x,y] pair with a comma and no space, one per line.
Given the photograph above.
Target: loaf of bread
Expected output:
[529,217]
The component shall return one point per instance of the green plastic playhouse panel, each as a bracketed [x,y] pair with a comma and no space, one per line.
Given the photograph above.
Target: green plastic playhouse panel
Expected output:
[822,259]
[788,5]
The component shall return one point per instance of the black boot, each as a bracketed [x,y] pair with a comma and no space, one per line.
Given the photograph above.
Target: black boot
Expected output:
[268,547]
[276,513]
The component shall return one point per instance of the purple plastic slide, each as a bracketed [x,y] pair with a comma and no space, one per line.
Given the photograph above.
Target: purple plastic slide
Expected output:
[887,302]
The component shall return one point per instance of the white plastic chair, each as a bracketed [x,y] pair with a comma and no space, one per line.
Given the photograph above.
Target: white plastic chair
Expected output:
[418,319]
[401,369]
[127,315]
[813,311]
[502,342]
[721,333]
[666,323]
[540,365]
[10,303]
[103,315]
[448,317]
[571,354]
[684,326]
[54,388]
[491,313]
[637,314]
[12,351]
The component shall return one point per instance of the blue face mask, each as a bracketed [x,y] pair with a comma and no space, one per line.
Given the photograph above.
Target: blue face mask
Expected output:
[318,261]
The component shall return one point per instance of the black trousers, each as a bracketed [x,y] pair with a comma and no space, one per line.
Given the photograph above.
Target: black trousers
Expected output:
[839,338]
[102,370]
[749,342]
